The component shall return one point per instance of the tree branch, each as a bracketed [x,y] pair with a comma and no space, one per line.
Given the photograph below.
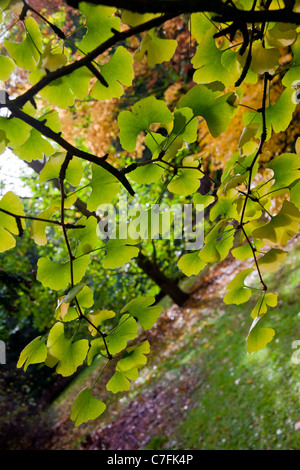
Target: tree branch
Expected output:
[56,137]
[224,11]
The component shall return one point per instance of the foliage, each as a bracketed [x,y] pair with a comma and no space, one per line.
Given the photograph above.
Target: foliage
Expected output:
[253,210]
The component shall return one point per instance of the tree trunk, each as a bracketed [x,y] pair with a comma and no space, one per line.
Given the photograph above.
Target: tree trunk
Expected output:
[167,285]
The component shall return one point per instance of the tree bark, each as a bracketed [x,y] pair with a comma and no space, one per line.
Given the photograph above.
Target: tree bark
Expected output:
[167,285]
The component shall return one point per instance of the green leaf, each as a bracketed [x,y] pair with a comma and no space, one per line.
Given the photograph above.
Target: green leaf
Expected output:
[97,318]
[213,107]
[38,229]
[34,353]
[86,297]
[51,61]
[211,62]
[86,407]
[190,264]
[125,331]
[16,131]
[7,241]
[286,168]
[281,35]
[237,293]
[119,252]
[127,367]
[281,227]
[117,72]
[188,180]
[157,50]
[36,146]
[134,19]
[295,194]
[147,174]
[203,200]
[258,338]
[217,243]
[263,59]
[99,22]
[7,66]
[145,112]
[278,115]
[134,357]
[11,203]
[58,92]
[142,308]
[66,355]
[57,276]
[26,54]
[118,383]
[272,260]
[105,187]
[86,237]
[52,169]
[225,205]
[264,301]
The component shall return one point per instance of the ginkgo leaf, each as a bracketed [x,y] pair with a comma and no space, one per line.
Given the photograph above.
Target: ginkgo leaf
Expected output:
[191,264]
[134,356]
[133,19]
[258,338]
[263,59]
[66,355]
[147,174]
[51,61]
[264,301]
[218,242]
[186,183]
[278,115]
[58,92]
[295,194]
[143,309]
[119,252]
[286,169]
[26,54]
[7,241]
[117,72]
[281,35]
[118,383]
[7,66]
[38,228]
[10,202]
[97,318]
[86,407]
[105,187]
[52,169]
[237,292]
[157,50]
[145,112]
[125,331]
[57,276]
[213,107]
[85,237]
[34,353]
[211,63]
[248,133]
[15,131]
[272,260]
[281,227]
[99,23]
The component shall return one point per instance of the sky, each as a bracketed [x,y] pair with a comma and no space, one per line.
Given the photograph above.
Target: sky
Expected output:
[11,170]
